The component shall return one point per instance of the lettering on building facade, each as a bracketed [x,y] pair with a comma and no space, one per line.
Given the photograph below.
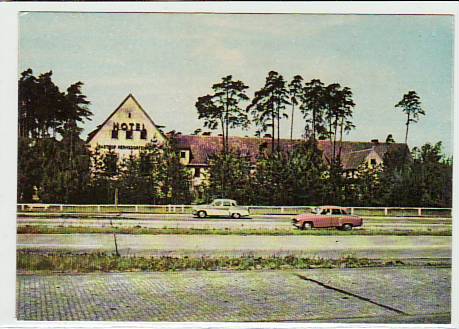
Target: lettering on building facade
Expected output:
[129,126]
[123,147]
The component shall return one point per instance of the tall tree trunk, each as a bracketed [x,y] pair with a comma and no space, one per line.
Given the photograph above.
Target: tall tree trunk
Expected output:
[330,133]
[407,125]
[334,139]
[278,128]
[314,124]
[273,128]
[223,136]
[226,119]
[222,174]
[341,138]
[291,124]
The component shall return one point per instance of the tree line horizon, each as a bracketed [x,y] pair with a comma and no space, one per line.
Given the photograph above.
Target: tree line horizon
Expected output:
[327,110]
[55,164]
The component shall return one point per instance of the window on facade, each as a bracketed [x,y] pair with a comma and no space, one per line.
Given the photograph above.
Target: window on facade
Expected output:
[128,134]
[182,154]
[143,134]
[129,114]
[197,172]
[115,134]
[373,162]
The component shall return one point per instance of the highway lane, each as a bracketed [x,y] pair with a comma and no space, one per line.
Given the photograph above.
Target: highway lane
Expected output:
[235,245]
[259,222]
[186,217]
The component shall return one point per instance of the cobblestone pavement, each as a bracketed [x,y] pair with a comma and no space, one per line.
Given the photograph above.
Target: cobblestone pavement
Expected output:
[234,245]
[330,295]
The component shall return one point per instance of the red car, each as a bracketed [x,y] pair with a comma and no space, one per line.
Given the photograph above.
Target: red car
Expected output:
[327,216]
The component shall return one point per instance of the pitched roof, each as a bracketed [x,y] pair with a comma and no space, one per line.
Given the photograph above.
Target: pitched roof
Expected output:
[94,132]
[203,147]
[353,159]
[352,153]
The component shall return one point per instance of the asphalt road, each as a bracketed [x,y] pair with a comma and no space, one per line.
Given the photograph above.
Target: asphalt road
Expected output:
[367,295]
[256,222]
[235,245]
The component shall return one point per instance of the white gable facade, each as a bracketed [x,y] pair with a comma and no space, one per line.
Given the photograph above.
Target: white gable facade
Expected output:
[373,159]
[127,130]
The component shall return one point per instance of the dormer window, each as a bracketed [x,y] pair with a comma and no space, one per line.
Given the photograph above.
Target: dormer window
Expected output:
[182,154]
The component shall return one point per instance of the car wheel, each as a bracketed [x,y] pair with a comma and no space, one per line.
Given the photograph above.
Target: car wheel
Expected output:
[307,226]
[346,227]
[236,215]
[202,214]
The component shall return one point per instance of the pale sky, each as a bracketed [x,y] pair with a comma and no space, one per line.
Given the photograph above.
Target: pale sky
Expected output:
[168,60]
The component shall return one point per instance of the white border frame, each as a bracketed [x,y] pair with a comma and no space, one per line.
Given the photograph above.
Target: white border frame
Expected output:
[8,118]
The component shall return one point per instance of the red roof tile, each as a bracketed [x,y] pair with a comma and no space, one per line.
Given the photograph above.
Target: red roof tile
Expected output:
[203,147]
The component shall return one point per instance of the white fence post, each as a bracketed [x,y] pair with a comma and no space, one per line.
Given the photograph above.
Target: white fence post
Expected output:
[183,208]
[282,210]
[385,211]
[419,211]
[22,207]
[61,207]
[136,208]
[98,208]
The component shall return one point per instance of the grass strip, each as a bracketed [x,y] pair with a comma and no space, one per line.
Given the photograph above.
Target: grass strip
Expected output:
[39,262]
[42,229]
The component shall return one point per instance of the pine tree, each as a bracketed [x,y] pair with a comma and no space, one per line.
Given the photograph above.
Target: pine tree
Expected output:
[296,95]
[411,106]
[268,106]
[222,108]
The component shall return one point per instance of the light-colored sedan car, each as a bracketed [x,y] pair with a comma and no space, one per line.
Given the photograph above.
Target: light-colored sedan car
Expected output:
[221,207]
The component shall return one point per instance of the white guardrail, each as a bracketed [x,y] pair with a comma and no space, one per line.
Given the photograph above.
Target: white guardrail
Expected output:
[256,210]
